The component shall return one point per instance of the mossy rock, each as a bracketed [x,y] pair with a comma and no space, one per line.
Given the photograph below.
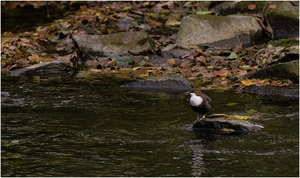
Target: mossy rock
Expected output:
[284,20]
[225,124]
[288,70]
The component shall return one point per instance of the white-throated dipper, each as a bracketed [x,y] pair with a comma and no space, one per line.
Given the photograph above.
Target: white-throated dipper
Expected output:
[200,103]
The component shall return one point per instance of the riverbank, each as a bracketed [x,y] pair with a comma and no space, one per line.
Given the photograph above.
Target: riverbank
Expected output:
[145,40]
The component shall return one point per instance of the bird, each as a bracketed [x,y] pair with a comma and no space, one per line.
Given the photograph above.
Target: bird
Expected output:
[200,103]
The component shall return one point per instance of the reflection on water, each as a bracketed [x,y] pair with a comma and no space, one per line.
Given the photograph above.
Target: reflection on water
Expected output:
[96,128]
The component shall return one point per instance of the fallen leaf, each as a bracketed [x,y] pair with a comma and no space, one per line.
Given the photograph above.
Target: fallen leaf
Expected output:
[248,82]
[201,58]
[222,73]
[242,117]
[6,34]
[154,23]
[171,61]
[233,55]
[142,63]
[83,8]
[251,111]
[210,67]
[272,6]
[203,12]
[244,67]
[185,65]
[252,7]
[34,59]
[231,104]
[172,22]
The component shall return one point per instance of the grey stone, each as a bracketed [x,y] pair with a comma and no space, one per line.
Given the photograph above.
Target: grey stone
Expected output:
[277,94]
[223,123]
[212,31]
[122,43]
[167,83]
[283,17]
[47,69]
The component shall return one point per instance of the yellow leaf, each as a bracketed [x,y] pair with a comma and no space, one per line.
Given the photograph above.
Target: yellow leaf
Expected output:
[5,34]
[242,117]
[145,75]
[231,104]
[248,82]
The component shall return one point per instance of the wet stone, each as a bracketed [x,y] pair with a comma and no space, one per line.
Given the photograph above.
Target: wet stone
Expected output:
[218,124]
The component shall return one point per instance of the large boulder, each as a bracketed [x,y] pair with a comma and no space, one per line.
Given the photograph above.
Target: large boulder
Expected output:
[212,31]
[284,19]
[283,16]
[122,43]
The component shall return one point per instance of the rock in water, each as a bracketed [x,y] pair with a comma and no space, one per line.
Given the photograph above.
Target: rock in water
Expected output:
[45,69]
[168,83]
[222,123]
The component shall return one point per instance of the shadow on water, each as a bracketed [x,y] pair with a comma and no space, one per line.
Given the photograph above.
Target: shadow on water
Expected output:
[96,128]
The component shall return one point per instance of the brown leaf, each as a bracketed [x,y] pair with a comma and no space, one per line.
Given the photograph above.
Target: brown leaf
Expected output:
[154,23]
[185,65]
[201,59]
[208,75]
[272,6]
[251,7]
[83,8]
[34,59]
[171,61]
[222,73]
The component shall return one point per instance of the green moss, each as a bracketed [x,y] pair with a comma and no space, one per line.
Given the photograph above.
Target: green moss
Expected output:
[285,42]
[283,13]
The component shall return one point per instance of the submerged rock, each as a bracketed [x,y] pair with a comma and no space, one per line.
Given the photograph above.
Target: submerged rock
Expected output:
[222,123]
[274,93]
[167,83]
[211,31]
[45,69]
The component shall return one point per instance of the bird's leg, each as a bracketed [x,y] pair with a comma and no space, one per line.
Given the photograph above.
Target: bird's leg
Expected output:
[199,118]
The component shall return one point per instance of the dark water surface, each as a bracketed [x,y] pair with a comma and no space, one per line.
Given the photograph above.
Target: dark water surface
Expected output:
[96,128]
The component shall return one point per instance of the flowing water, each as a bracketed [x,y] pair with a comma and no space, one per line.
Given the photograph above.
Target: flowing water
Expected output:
[96,128]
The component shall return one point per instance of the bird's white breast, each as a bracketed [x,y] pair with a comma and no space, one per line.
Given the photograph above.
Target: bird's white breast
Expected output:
[195,100]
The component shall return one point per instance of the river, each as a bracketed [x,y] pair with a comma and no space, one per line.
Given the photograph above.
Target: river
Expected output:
[96,128]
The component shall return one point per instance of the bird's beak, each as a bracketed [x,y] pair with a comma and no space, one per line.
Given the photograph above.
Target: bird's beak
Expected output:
[187,92]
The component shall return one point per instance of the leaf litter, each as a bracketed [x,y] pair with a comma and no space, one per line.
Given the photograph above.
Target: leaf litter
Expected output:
[222,67]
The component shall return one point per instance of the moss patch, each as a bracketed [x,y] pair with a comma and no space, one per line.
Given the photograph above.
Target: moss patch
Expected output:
[285,42]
